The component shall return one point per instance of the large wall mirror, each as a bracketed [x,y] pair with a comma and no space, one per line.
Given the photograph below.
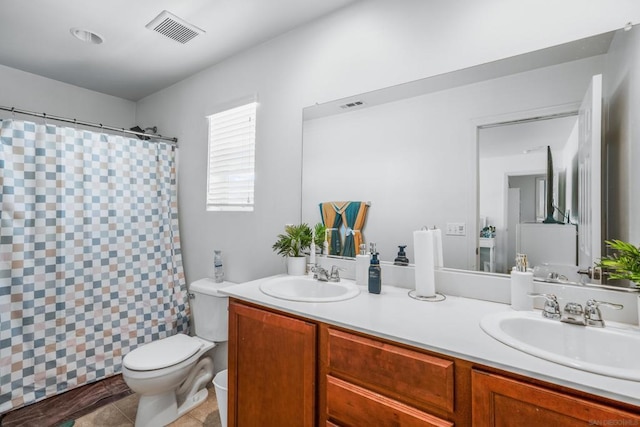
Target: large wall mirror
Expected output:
[467,152]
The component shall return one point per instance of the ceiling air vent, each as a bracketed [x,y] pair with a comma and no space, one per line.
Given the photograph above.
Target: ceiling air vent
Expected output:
[352,104]
[173,27]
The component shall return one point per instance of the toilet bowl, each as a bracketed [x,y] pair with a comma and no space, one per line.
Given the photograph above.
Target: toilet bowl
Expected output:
[171,374]
[158,370]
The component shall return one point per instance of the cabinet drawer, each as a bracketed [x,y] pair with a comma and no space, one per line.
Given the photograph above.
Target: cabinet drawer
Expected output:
[406,375]
[350,405]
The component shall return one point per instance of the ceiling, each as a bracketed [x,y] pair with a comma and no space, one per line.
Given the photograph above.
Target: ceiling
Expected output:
[133,61]
[533,137]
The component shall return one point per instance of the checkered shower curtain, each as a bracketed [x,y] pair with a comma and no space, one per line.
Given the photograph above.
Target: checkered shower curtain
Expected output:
[90,262]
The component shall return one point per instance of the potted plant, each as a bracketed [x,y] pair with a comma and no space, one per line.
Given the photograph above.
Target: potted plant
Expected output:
[624,263]
[291,245]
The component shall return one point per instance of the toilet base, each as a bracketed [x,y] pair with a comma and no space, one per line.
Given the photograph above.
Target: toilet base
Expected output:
[193,402]
[162,409]
[157,410]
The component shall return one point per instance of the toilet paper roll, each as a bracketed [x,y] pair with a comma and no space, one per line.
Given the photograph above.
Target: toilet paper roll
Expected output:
[521,285]
[424,254]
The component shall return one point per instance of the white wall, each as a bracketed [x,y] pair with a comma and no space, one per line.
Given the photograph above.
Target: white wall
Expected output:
[369,45]
[35,93]
[622,103]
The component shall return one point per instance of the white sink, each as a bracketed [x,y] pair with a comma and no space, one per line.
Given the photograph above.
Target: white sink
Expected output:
[612,351]
[303,288]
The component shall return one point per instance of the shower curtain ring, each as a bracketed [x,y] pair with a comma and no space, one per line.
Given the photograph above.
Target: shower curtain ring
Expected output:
[44,116]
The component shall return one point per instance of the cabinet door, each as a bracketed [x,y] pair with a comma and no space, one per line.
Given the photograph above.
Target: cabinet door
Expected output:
[500,401]
[272,369]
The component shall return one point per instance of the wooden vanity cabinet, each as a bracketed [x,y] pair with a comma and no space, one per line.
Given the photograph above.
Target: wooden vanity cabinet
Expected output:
[272,369]
[503,401]
[289,371]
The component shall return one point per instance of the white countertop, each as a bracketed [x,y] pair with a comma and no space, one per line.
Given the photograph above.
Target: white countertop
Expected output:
[449,327]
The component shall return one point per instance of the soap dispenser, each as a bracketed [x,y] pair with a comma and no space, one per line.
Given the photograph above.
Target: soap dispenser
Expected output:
[401,259]
[375,275]
[362,266]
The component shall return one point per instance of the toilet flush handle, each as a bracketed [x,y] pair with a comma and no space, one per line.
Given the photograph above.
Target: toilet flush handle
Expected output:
[192,295]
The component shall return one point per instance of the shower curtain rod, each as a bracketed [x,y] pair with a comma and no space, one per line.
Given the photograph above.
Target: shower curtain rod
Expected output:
[172,141]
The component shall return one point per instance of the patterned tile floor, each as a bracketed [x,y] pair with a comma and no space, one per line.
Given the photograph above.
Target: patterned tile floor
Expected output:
[122,413]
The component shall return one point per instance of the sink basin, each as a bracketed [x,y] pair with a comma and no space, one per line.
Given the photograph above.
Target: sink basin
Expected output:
[611,351]
[302,288]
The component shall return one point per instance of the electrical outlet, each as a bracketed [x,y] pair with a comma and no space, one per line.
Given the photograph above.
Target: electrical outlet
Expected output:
[456,229]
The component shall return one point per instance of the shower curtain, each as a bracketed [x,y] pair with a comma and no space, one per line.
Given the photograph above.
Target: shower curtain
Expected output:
[90,261]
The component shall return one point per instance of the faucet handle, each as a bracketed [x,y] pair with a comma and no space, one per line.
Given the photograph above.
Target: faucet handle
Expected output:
[592,314]
[320,274]
[551,308]
[334,276]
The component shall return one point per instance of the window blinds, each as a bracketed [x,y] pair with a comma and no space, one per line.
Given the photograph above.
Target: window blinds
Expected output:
[232,159]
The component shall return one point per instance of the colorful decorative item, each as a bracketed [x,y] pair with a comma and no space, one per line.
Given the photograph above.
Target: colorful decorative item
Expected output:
[488,231]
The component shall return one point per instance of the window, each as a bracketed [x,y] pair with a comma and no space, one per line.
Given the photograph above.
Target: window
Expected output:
[232,139]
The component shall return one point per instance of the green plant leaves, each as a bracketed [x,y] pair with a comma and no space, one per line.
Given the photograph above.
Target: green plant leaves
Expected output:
[320,231]
[624,263]
[296,239]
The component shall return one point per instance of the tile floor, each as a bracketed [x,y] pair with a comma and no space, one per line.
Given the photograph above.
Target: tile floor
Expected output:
[122,413]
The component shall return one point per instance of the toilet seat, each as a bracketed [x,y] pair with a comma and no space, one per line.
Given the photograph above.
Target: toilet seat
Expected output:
[162,353]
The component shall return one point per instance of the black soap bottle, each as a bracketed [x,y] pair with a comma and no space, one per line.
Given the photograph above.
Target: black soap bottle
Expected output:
[401,259]
[375,275]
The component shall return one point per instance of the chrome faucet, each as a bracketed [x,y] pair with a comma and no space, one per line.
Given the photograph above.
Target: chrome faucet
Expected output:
[573,312]
[589,316]
[322,275]
[592,315]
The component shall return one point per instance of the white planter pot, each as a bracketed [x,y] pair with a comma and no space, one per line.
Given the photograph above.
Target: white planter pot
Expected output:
[296,265]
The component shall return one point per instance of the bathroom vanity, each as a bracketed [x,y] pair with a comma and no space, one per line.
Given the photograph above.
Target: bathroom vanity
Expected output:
[391,360]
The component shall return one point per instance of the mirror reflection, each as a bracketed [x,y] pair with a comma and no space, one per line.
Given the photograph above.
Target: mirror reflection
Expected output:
[466,152]
[514,188]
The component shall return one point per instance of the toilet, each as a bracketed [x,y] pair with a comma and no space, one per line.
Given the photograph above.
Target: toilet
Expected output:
[171,374]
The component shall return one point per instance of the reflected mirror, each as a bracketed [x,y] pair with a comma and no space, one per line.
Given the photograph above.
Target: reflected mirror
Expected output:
[513,191]
[449,151]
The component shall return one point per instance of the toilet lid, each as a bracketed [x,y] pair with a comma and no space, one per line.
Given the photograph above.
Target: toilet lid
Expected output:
[162,353]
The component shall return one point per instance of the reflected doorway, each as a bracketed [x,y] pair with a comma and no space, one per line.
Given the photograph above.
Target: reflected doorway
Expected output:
[512,178]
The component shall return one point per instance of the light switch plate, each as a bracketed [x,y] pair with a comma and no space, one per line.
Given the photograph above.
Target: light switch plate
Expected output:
[456,229]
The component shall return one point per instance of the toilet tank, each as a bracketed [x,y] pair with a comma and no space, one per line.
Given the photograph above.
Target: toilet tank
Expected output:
[209,310]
